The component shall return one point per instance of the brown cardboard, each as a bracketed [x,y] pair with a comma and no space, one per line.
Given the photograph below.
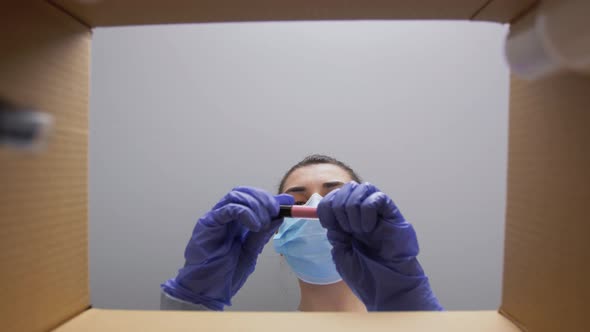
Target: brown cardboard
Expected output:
[504,10]
[146,321]
[133,12]
[43,232]
[560,19]
[44,61]
[547,246]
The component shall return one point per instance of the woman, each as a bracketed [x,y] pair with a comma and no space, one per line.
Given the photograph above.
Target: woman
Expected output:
[360,256]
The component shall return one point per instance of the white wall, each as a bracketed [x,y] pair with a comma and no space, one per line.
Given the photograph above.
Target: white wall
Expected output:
[181,114]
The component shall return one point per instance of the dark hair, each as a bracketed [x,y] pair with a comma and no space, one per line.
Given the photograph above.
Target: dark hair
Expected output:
[319,159]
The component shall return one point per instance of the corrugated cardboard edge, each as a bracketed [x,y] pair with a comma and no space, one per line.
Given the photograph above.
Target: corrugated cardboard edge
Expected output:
[513,319]
[504,11]
[65,11]
[117,13]
[43,202]
[156,321]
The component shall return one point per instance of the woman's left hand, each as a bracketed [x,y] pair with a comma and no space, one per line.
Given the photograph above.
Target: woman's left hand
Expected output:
[375,249]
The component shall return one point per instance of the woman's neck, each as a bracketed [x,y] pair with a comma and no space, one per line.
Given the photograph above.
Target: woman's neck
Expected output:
[333,297]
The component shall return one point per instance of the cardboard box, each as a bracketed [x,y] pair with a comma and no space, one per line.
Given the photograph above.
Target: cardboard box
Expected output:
[44,63]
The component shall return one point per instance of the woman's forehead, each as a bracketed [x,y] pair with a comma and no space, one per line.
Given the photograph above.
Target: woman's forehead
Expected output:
[317,174]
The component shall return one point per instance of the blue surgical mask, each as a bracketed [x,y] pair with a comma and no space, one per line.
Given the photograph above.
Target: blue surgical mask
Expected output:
[304,244]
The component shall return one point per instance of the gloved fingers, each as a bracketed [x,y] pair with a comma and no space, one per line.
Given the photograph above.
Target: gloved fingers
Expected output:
[339,240]
[255,241]
[269,204]
[326,213]
[353,206]
[236,197]
[263,203]
[260,204]
[339,205]
[284,199]
[370,210]
[233,212]
[380,205]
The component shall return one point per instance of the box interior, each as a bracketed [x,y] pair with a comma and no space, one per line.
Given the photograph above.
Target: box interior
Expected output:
[43,204]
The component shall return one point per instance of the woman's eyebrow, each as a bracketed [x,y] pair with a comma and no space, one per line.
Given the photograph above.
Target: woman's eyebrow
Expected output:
[332,184]
[296,190]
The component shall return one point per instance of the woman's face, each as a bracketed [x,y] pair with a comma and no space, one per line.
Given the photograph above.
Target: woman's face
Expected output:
[317,178]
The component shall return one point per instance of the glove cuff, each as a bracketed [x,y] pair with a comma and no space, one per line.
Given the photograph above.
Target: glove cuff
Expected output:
[173,288]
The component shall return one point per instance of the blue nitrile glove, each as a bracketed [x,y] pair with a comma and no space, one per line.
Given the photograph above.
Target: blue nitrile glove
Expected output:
[225,245]
[375,249]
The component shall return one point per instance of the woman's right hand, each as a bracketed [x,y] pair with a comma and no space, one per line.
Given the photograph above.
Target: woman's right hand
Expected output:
[225,245]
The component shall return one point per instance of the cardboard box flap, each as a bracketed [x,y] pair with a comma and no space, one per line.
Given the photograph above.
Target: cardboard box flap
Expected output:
[547,244]
[135,12]
[44,65]
[152,321]
[505,11]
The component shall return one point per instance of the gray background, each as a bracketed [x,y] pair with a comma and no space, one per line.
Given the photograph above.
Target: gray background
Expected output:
[181,114]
